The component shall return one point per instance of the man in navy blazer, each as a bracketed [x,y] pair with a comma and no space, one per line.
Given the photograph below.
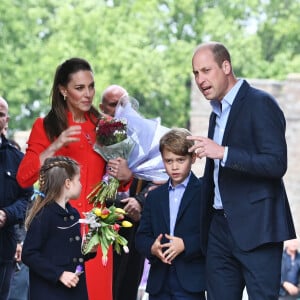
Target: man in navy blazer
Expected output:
[246,155]
[171,229]
[13,203]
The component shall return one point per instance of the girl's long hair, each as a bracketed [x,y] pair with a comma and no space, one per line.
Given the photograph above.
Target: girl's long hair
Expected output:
[53,175]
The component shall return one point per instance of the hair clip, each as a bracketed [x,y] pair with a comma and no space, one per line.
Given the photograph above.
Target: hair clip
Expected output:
[37,192]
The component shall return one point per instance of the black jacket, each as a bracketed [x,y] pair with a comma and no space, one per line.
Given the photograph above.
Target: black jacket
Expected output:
[49,250]
[13,198]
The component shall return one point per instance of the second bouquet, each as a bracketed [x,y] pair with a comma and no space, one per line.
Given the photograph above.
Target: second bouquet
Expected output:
[112,141]
[103,229]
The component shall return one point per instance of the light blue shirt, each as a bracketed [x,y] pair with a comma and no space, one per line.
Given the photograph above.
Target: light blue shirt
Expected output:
[175,196]
[221,121]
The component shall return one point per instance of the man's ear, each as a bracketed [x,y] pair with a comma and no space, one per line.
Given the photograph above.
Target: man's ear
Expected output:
[226,67]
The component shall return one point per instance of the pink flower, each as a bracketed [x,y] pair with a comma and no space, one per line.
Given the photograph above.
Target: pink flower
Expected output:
[104,260]
[116,227]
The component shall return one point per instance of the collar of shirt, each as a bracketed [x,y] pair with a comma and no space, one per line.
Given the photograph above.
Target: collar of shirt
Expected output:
[183,184]
[227,100]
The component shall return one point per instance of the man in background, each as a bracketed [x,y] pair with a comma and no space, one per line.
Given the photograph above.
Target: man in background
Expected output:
[290,271]
[13,203]
[127,268]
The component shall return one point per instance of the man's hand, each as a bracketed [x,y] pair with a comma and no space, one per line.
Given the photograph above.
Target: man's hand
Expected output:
[290,288]
[133,208]
[205,147]
[2,218]
[18,253]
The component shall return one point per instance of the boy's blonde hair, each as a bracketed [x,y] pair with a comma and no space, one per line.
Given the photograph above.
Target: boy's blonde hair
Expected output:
[176,142]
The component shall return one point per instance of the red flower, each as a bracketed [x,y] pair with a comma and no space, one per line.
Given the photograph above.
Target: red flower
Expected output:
[116,227]
[110,131]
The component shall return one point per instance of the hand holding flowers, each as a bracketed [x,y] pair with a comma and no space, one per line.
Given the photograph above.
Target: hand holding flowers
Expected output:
[111,142]
[104,224]
[118,168]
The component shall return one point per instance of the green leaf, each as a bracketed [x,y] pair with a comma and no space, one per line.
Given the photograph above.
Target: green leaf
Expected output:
[90,244]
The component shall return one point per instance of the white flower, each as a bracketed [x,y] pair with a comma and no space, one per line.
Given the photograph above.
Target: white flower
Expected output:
[90,219]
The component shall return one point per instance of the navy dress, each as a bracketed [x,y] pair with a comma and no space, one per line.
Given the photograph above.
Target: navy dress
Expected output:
[49,251]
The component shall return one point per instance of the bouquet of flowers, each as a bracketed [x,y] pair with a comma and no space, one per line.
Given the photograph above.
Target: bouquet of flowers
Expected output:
[131,136]
[145,160]
[111,142]
[103,229]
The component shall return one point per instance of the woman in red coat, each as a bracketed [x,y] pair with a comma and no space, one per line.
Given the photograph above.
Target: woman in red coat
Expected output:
[69,130]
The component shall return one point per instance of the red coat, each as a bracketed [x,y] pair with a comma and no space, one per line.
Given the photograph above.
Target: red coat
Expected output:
[92,166]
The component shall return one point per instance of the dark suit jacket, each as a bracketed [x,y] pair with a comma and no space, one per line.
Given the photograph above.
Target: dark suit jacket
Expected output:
[13,199]
[155,220]
[251,185]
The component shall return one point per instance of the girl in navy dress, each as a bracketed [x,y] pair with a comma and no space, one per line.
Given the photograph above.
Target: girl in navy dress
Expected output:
[52,247]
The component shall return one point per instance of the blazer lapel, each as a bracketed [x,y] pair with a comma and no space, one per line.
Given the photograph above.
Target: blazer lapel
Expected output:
[212,124]
[187,196]
[238,101]
[165,207]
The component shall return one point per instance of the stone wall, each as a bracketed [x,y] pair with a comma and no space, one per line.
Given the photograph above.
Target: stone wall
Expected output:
[287,94]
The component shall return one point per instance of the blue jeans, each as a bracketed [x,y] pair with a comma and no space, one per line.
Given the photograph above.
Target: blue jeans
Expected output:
[19,286]
[6,272]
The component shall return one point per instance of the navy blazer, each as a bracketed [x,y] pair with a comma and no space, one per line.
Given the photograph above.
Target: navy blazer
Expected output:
[155,220]
[251,185]
[13,198]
